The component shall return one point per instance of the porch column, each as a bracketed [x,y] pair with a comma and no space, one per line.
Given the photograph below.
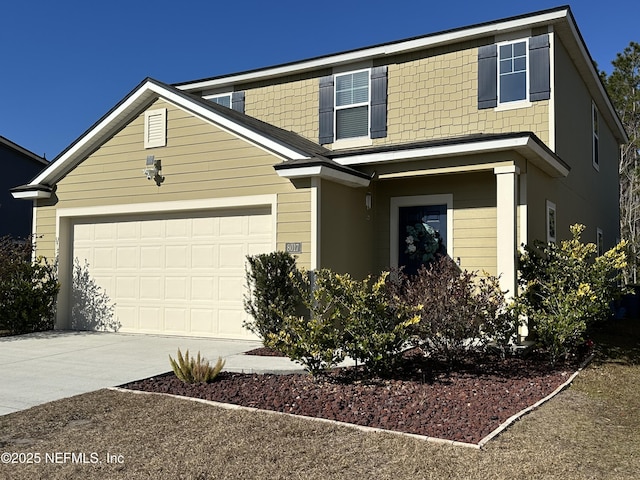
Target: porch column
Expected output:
[507,240]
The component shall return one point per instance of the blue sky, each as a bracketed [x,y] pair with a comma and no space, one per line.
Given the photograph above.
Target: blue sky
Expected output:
[66,63]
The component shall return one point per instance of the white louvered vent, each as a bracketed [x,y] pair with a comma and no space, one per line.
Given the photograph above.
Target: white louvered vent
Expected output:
[155,128]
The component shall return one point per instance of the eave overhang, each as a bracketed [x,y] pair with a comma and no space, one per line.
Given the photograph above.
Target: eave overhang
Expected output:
[525,144]
[322,168]
[132,105]
[31,192]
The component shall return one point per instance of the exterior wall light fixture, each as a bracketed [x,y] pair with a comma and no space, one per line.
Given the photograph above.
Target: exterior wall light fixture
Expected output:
[153,170]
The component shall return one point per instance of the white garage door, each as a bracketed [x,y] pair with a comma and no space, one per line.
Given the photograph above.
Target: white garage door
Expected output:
[175,274]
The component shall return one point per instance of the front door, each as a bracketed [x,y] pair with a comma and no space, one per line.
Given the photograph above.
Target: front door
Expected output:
[422,235]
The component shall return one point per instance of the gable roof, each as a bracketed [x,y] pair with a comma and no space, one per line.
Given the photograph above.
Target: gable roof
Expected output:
[560,19]
[281,143]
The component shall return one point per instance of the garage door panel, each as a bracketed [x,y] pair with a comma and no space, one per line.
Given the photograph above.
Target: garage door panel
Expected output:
[127,257]
[176,274]
[204,256]
[126,288]
[152,288]
[176,256]
[151,257]
[176,289]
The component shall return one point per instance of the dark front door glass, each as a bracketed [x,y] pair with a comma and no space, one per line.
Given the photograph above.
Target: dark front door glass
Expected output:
[422,235]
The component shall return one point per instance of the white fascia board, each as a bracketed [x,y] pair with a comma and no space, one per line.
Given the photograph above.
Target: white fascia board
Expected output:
[31,194]
[229,125]
[379,51]
[319,171]
[525,142]
[434,151]
[89,139]
[138,99]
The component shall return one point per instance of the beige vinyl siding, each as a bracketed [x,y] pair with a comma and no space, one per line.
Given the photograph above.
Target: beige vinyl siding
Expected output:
[200,161]
[436,96]
[432,94]
[574,145]
[294,223]
[346,230]
[291,104]
[474,215]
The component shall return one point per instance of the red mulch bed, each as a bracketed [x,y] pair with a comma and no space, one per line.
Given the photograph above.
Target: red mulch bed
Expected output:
[424,397]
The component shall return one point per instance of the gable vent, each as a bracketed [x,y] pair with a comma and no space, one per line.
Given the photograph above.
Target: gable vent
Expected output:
[155,128]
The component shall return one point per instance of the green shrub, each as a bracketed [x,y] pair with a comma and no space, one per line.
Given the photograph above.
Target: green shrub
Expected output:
[28,288]
[271,282]
[566,288]
[315,342]
[455,309]
[195,370]
[376,325]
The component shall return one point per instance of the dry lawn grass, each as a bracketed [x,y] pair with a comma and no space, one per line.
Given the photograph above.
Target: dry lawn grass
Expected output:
[590,431]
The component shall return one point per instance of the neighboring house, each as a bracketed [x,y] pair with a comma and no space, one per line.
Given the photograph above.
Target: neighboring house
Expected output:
[19,165]
[494,135]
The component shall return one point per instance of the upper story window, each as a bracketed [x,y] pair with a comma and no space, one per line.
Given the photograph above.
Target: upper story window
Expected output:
[512,76]
[595,128]
[352,105]
[514,73]
[224,99]
[233,100]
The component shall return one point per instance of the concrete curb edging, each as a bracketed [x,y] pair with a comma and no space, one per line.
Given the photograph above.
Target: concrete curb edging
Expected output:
[230,406]
[520,414]
[440,441]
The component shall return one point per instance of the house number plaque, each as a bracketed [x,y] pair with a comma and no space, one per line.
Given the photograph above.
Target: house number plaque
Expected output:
[294,247]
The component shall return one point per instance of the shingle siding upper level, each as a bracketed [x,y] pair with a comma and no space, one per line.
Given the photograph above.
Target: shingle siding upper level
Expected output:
[434,87]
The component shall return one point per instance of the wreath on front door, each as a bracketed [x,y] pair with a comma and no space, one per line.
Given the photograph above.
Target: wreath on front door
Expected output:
[423,242]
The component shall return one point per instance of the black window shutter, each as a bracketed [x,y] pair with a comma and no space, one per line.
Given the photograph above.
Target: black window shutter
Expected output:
[487,76]
[326,110]
[540,87]
[237,101]
[379,102]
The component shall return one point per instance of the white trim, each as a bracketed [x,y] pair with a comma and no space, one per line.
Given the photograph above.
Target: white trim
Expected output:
[523,144]
[137,101]
[64,230]
[416,201]
[523,211]
[175,206]
[320,171]
[551,207]
[337,108]
[506,227]
[220,95]
[31,194]
[316,192]
[155,128]
[405,46]
[524,102]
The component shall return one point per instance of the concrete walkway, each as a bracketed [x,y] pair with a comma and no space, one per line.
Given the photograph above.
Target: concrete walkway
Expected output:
[40,367]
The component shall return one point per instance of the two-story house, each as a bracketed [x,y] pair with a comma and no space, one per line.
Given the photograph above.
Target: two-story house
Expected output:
[19,165]
[486,137]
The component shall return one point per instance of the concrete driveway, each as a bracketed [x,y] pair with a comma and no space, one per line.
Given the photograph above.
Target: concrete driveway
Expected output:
[40,367]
